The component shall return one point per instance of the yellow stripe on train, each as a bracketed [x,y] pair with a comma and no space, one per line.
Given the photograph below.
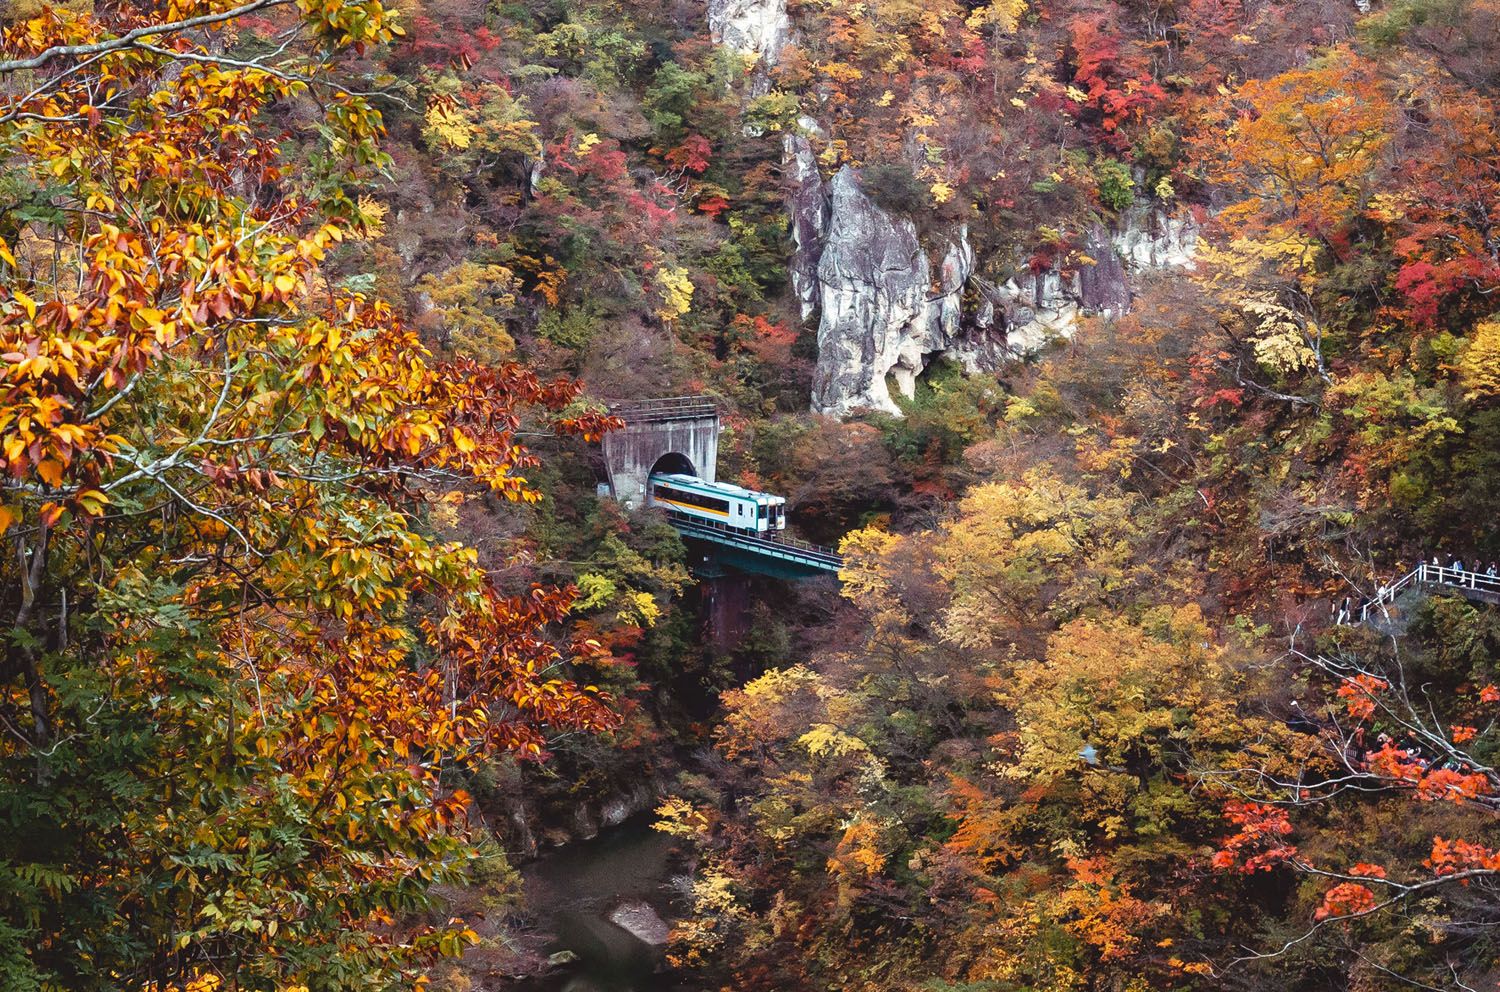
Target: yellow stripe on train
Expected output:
[690,506]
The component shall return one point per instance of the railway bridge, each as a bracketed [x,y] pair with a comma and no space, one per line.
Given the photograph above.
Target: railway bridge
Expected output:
[679,435]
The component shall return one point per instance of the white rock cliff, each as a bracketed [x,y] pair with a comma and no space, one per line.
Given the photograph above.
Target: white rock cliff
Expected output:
[882,312]
[883,318]
[751,27]
[807,207]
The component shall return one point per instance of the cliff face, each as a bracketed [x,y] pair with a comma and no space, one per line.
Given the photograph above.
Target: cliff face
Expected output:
[886,306]
[882,313]
[1030,310]
[807,205]
[753,27]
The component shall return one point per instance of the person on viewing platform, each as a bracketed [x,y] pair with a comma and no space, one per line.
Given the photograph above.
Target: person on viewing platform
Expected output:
[1491,570]
[1458,565]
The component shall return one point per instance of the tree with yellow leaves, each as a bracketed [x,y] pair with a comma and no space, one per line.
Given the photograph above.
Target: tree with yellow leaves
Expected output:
[1104,793]
[1479,365]
[676,291]
[474,302]
[1029,547]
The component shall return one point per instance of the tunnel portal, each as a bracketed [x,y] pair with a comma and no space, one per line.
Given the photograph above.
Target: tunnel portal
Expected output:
[678,434]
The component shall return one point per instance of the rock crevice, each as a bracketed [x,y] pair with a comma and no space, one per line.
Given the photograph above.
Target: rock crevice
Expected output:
[807,209]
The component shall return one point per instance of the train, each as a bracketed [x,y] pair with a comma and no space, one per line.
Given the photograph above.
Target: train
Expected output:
[719,504]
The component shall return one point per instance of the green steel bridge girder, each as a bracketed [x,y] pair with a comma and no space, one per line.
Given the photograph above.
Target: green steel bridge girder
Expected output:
[711,555]
[715,560]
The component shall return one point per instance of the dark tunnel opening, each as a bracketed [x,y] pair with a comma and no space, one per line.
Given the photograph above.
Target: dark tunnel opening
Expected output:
[673,463]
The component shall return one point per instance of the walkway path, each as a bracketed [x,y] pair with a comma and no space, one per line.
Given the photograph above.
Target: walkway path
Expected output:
[1475,585]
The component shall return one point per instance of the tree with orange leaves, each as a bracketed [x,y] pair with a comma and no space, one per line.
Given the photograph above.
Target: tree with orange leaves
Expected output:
[240,675]
[1300,148]
[1394,750]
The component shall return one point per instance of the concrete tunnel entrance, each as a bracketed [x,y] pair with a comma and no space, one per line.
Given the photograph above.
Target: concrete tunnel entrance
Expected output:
[673,463]
[671,435]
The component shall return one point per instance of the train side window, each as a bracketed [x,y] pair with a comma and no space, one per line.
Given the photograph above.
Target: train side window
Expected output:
[739,509]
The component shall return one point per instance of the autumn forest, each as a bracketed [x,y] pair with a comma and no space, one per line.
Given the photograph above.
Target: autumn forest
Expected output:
[1133,365]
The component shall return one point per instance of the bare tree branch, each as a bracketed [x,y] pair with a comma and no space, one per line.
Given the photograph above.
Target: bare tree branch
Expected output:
[130,38]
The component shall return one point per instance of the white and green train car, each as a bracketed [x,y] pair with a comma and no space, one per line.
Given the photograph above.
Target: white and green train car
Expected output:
[719,504]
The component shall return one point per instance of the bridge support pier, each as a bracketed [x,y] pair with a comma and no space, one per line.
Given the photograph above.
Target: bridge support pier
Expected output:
[726,610]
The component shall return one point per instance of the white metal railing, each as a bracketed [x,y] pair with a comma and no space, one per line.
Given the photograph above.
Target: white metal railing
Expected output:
[780,545]
[1425,574]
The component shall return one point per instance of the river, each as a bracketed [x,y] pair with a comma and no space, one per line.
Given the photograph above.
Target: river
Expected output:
[572,891]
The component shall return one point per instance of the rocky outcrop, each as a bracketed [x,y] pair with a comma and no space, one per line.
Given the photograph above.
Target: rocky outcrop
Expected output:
[1046,306]
[1028,311]
[882,312]
[1102,285]
[527,829]
[1151,240]
[642,922]
[621,806]
[518,832]
[884,317]
[585,823]
[752,27]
